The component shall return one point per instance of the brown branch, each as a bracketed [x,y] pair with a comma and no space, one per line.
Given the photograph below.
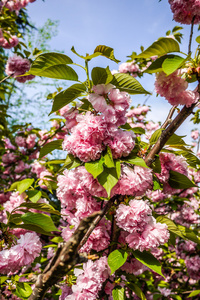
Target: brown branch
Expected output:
[191,34]
[168,132]
[64,260]
[168,120]
[67,256]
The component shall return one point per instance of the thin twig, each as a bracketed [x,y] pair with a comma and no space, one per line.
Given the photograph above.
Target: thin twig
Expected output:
[6,78]
[168,120]
[191,33]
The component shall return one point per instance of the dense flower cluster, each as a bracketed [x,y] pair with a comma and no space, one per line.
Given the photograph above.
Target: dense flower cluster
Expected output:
[173,88]
[90,279]
[16,5]
[143,231]
[185,11]
[28,247]
[9,43]
[16,66]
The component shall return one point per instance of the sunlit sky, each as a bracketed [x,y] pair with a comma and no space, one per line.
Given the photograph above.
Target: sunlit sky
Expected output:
[123,25]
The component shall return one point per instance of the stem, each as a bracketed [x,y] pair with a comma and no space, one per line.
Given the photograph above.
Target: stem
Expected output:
[168,120]
[6,78]
[191,33]
[87,72]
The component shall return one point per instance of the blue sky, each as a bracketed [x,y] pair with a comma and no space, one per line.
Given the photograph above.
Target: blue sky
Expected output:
[123,25]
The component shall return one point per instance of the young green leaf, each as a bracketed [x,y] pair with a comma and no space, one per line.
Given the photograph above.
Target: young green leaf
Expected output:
[116,259]
[127,83]
[34,195]
[108,159]
[148,260]
[109,178]
[41,220]
[194,293]
[118,293]
[172,227]
[23,185]
[49,147]
[23,289]
[106,51]
[101,75]
[46,60]
[94,167]
[155,136]
[160,47]
[67,96]
[138,161]
[172,64]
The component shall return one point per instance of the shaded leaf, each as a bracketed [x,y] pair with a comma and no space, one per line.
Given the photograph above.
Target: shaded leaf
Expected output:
[49,147]
[137,290]
[148,260]
[34,195]
[172,227]
[138,161]
[155,136]
[179,181]
[101,75]
[41,206]
[23,289]
[33,227]
[106,51]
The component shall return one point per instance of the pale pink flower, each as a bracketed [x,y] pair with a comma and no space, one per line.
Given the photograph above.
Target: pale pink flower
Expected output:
[20,141]
[8,158]
[17,65]
[195,134]
[28,247]
[134,267]
[120,142]
[30,141]
[86,140]
[164,291]
[134,181]
[185,11]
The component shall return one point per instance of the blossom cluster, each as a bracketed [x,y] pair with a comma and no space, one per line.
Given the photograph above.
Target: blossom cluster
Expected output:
[185,12]
[17,66]
[9,43]
[16,5]
[173,88]
[142,230]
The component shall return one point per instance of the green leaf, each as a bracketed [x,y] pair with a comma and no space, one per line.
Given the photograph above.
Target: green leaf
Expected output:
[172,64]
[33,227]
[13,186]
[108,159]
[148,260]
[71,162]
[23,185]
[58,72]
[15,218]
[42,207]
[155,136]
[41,220]
[101,75]
[160,47]
[67,96]
[127,83]
[23,289]
[198,39]
[3,279]
[109,177]
[34,195]
[176,140]
[196,292]
[106,51]
[138,161]
[192,160]
[118,293]
[138,130]
[156,65]
[116,259]
[137,290]
[156,165]
[179,181]
[94,167]
[189,234]
[46,60]
[49,147]
[172,227]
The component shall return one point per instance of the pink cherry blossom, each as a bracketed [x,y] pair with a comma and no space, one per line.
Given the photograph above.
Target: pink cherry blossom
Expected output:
[185,11]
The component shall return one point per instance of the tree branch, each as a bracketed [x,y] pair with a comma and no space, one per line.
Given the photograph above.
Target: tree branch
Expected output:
[168,132]
[67,256]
